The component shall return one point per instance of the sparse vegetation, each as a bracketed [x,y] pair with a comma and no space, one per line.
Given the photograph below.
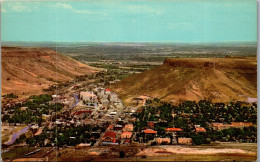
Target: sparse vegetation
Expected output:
[11,95]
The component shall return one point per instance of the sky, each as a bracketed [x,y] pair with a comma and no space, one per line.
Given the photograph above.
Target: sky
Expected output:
[180,21]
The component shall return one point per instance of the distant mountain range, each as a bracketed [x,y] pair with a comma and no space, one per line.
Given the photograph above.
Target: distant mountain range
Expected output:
[53,44]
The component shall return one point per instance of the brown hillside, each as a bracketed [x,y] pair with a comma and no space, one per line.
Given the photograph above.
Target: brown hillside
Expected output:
[29,70]
[179,79]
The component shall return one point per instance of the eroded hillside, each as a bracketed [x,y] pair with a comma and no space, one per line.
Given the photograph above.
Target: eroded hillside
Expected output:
[179,79]
[30,70]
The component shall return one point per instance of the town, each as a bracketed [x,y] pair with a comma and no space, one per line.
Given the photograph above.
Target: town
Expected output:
[95,116]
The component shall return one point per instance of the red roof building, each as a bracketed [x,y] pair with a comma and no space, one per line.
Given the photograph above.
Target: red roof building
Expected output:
[200,129]
[151,124]
[80,112]
[109,136]
[149,131]
[173,129]
[108,89]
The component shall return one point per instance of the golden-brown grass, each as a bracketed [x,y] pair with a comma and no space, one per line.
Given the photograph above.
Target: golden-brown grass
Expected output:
[177,80]
[29,70]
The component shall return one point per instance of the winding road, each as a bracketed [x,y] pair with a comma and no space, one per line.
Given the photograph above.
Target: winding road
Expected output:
[77,101]
[17,135]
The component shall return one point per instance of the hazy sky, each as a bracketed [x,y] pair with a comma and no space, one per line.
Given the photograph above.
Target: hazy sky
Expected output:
[122,20]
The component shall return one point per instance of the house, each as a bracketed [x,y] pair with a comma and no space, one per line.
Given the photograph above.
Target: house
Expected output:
[200,130]
[240,124]
[126,135]
[109,137]
[23,108]
[149,131]
[82,112]
[150,125]
[162,140]
[183,140]
[221,126]
[107,91]
[113,97]
[128,127]
[141,100]
[173,130]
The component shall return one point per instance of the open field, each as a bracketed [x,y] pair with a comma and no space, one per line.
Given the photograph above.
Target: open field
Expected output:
[192,157]
[214,152]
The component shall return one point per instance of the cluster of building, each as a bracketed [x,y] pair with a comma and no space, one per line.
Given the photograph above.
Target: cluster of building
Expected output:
[101,97]
[118,134]
[64,99]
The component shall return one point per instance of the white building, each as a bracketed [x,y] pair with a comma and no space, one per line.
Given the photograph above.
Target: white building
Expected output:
[88,96]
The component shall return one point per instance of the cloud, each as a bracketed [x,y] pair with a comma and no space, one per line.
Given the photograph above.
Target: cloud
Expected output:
[19,7]
[143,9]
[69,7]
[63,5]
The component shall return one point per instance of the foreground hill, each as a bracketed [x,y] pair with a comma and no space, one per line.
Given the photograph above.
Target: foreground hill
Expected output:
[30,70]
[179,79]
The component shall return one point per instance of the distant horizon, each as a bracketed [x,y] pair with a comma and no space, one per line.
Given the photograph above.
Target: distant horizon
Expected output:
[136,42]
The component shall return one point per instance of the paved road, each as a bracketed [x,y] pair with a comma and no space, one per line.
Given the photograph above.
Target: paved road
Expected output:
[77,101]
[17,135]
[119,112]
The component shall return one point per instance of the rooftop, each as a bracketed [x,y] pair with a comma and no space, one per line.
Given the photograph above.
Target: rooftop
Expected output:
[149,131]
[201,129]
[110,134]
[174,129]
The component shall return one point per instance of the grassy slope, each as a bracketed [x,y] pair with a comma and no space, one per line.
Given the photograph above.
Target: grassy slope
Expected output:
[216,79]
[32,69]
